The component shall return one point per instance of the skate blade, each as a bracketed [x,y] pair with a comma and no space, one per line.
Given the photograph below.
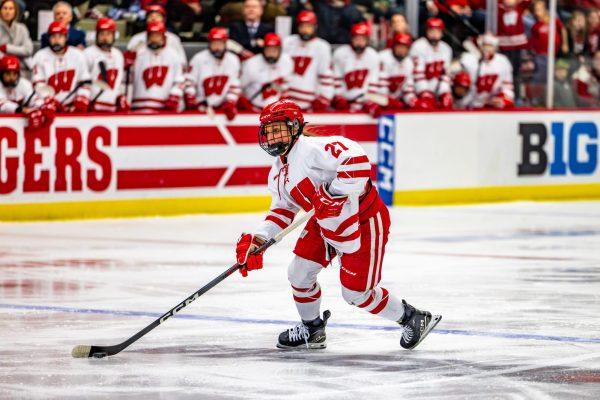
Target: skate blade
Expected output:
[311,346]
[434,321]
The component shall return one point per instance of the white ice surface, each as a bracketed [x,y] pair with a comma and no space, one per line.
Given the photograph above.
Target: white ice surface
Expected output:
[518,286]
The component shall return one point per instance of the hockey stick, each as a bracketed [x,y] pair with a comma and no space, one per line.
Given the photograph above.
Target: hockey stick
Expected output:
[83,351]
[104,77]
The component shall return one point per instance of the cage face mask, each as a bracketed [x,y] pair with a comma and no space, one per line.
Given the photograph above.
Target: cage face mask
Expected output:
[276,138]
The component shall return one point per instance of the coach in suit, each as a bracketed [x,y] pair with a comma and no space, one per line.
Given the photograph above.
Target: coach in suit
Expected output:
[251,31]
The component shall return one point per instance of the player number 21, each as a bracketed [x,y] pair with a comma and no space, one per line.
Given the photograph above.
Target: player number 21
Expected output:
[335,148]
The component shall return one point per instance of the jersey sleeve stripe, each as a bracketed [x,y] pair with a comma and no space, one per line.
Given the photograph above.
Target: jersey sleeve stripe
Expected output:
[276,221]
[286,213]
[354,174]
[356,160]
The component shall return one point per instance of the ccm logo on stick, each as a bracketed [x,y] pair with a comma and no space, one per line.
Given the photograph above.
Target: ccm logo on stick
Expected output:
[573,150]
[23,169]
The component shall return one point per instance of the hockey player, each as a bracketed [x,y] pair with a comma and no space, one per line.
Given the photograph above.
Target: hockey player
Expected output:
[65,69]
[432,58]
[461,90]
[311,84]
[214,76]
[105,62]
[397,71]
[587,83]
[17,95]
[158,74]
[330,174]
[491,75]
[356,72]
[265,76]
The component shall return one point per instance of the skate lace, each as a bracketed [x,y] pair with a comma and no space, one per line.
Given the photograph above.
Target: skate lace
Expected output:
[299,332]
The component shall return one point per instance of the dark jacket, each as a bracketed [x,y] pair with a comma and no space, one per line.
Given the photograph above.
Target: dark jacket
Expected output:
[335,22]
[75,38]
[238,31]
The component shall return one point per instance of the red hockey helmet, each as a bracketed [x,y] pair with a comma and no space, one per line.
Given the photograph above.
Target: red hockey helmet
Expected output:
[10,63]
[402,38]
[462,79]
[156,26]
[435,23]
[360,29]
[57,27]
[156,8]
[306,17]
[218,33]
[272,39]
[106,24]
[277,139]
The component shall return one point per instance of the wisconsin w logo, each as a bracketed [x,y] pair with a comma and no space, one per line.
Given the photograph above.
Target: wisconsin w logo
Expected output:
[111,77]
[155,75]
[62,81]
[214,84]
[356,79]
[486,83]
[396,82]
[300,64]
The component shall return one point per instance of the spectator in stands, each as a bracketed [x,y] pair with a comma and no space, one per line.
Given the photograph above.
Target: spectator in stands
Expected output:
[335,19]
[539,39]
[593,25]
[563,87]
[63,12]
[577,33]
[251,31]
[154,13]
[14,36]
[511,35]
[587,83]
[183,11]
[398,24]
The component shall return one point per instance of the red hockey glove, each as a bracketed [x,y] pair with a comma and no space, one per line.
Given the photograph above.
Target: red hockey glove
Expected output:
[122,103]
[320,103]
[172,103]
[35,119]
[340,103]
[81,104]
[129,58]
[244,104]
[327,206]
[394,103]
[229,109]
[426,101]
[446,101]
[246,244]
[501,102]
[374,110]
[190,102]
[49,109]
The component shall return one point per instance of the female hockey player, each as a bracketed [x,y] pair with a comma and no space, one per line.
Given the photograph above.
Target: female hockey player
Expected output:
[330,174]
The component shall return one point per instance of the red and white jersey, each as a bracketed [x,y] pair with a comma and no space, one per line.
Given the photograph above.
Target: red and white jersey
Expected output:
[113,60]
[491,78]
[156,76]
[138,42]
[587,86]
[214,80]
[355,74]
[62,71]
[257,74]
[312,74]
[12,98]
[432,65]
[397,77]
[339,163]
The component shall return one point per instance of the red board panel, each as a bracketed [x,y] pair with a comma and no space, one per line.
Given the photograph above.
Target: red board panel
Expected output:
[169,136]
[169,178]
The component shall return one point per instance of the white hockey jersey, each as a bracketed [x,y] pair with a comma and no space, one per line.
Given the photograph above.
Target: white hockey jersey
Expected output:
[397,77]
[212,80]
[257,74]
[12,98]
[432,66]
[139,40]
[336,161]
[113,60]
[62,72]
[355,75]
[156,76]
[491,78]
[312,76]
[587,87]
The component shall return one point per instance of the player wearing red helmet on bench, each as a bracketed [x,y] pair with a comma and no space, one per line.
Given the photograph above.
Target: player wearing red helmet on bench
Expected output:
[461,90]
[332,176]
[397,73]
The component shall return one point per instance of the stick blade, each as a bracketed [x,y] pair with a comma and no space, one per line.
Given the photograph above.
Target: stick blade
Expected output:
[81,351]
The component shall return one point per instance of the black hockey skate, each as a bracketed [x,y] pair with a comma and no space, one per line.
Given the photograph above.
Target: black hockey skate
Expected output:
[307,334]
[417,324]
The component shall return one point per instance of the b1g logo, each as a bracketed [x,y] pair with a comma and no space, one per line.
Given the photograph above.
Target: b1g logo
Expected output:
[575,149]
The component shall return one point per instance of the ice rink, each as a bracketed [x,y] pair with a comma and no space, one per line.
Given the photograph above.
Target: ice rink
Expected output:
[518,285]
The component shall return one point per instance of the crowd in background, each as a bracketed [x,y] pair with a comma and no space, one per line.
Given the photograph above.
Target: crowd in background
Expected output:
[522,39]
